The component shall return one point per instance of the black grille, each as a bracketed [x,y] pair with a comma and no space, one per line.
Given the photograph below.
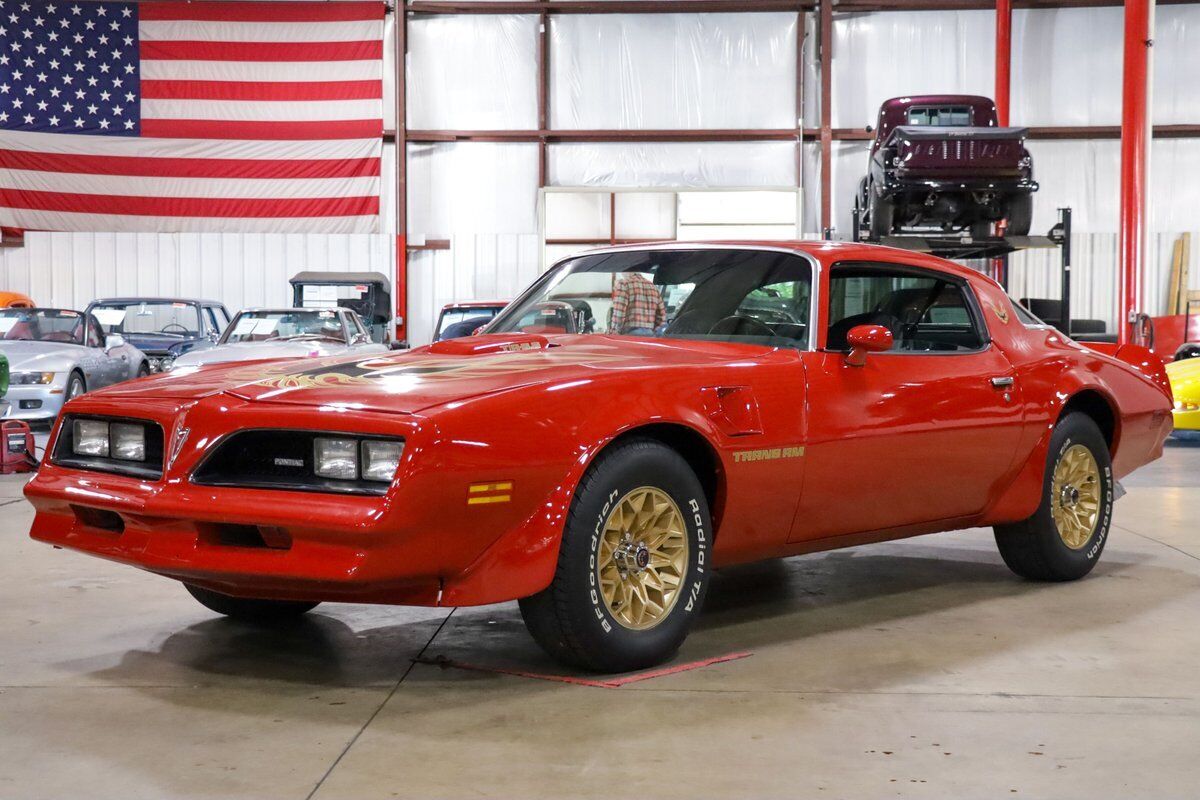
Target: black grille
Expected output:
[277,459]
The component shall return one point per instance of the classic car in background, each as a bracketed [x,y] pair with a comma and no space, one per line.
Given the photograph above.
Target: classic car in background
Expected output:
[462,319]
[785,407]
[15,300]
[162,328]
[56,354]
[940,162]
[260,334]
[1184,374]
[367,294]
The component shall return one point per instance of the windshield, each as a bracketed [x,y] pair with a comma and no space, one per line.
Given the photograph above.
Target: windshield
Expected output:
[945,116]
[268,326]
[457,316]
[750,296]
[158,317]
[41,325]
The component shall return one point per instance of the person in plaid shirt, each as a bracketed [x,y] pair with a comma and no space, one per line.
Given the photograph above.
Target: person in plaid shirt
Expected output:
[637,307]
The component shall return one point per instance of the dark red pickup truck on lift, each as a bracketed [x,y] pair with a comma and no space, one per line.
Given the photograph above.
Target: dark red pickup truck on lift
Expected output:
[940,162]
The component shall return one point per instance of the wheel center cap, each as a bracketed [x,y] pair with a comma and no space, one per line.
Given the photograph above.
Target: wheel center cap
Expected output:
[633,557]
[1070,496]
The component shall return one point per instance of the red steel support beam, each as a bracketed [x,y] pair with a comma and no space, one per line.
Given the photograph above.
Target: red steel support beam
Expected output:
[401,139]
[1003,59]
[826,23]
[1135,141]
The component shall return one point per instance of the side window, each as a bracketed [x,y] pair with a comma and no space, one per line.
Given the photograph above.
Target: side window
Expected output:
[359,330]
[1024,314]
[95,335]
[211,319]
[925,313]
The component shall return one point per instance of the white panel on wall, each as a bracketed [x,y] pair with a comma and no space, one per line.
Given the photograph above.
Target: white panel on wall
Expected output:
[472,72]
[484,267]
[673,71]
[472,187]
[675,164]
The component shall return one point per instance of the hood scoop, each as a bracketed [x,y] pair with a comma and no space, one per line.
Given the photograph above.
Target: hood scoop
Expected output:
[490,343]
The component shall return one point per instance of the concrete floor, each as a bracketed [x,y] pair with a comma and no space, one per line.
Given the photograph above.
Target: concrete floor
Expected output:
[913,669]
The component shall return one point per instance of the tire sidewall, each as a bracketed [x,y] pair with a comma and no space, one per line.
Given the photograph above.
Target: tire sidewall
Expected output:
[634,467]
[76,378]
[1076,429]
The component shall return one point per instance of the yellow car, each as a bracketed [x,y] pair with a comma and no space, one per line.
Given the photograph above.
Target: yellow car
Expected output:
[1185,385]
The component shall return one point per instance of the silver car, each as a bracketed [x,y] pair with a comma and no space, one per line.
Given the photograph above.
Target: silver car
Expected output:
[260,334]
[55,354]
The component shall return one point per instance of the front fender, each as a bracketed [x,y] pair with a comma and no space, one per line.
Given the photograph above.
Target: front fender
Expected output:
[521,561]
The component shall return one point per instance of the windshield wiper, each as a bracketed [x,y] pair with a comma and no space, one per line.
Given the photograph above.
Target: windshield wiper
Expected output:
[306,336]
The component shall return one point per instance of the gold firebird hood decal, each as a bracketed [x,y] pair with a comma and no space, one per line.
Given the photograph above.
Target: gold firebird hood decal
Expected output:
[423,368]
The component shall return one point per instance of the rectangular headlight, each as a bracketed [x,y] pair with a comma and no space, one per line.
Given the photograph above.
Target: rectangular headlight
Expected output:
[31,378]
[90,438]
[336,458]
[128,442]
[380,460]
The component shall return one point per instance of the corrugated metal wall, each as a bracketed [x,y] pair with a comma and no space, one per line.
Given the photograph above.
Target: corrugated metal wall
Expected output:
[239,269]
[1038,273]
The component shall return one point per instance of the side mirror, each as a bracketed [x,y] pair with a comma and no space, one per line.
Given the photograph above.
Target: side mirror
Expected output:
[865,339]
[113,341]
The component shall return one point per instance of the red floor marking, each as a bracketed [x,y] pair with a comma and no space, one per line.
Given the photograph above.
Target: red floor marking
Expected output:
[613,683]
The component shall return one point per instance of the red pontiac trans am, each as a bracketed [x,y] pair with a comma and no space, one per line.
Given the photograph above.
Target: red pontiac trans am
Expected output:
[754,401]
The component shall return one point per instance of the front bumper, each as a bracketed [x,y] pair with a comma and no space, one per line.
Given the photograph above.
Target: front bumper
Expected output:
[236,541]
[421,543]
[35,402]
[1186,420]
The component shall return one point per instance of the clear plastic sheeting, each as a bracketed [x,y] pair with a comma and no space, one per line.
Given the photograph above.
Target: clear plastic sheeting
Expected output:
[472,187]
[1176,96]
[1066,62]
[1067,66]
[673,71]
[896,53]
[675,164]
[472,72]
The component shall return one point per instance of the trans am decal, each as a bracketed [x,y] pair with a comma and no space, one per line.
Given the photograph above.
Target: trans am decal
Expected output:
[328,375]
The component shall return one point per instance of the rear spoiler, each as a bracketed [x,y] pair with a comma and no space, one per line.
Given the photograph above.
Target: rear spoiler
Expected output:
[1143,360]
[916,133]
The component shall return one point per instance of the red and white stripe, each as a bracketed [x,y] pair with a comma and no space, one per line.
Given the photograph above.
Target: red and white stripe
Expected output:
[256,116]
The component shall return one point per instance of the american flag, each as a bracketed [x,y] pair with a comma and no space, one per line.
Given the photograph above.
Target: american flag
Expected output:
[191,116]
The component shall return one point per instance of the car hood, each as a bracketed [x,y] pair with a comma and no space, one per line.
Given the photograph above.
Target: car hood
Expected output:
[444,372]
[40,356]
[258,351]
[1185,379]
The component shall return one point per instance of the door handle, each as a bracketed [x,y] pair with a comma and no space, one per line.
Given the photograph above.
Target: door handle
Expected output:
[1004,382]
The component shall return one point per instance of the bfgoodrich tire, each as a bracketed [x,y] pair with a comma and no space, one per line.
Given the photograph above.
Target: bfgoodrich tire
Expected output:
[633,565]
[249,610]
[1064,538]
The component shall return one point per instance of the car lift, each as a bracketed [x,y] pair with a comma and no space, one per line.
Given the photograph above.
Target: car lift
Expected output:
[961,246]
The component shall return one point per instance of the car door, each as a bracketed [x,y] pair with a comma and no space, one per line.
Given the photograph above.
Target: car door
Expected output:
[922,433]
[104,366]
